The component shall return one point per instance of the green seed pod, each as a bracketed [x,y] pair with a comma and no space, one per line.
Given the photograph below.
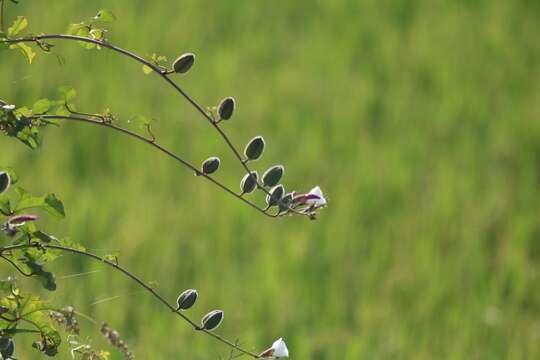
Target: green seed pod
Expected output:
[254,148]
[187,299]
[286,202]
[210,165]
[226,108]
[184,63]
[249,182]
[212,320]
[276,194]
[5,181]
[272,176]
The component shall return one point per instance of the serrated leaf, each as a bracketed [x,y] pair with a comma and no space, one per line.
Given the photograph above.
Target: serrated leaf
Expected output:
[49,203]
[19,25]
[41,106]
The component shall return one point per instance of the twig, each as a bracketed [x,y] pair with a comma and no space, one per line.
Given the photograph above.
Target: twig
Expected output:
[135,279]
[164,74]
[153,143]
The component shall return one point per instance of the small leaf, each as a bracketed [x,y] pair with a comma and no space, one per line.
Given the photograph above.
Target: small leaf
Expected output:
[226,108]
[5,181]
[210,165]
[26,50]
[41,106]
[254,148]
[18,25]
[184,63]
[105,16]
[49,203]
[272,176]
[212,320]
[249,182]
[275,195]
[147,69]
[187,299]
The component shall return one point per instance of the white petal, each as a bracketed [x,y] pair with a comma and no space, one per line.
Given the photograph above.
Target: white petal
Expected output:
[280,348]
[318,192]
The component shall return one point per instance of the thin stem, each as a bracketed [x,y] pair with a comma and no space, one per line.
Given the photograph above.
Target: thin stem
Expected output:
[152,142]
[163,74]
[17,267]
[136,279]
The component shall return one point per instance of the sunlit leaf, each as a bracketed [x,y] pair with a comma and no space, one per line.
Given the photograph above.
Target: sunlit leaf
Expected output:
[26,50]
[18,25]
[49,203]
[105,16]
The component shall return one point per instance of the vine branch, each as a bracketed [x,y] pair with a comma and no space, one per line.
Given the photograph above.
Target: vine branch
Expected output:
[164,74]
[136,279]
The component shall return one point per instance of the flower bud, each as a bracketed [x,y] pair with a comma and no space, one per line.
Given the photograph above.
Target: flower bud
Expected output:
[272,176]
[210,165]
[5,181]
[254,148]
[187,299]
[275,195]
[212,320]
[249,182]
[184,63]
[226,108]
[286,202]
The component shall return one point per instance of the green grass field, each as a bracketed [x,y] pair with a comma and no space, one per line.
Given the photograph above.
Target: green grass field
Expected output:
[419,119]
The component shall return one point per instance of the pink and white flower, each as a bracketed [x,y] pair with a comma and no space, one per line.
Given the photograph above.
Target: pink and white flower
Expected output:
[278,350]
[314,199]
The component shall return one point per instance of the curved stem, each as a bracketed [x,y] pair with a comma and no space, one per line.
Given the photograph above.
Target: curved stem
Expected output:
[136,279]
[154,144]
[164,74]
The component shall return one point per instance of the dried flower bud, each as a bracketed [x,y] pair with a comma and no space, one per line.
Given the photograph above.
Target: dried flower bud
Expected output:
[249,182]
[187,299]
[212,320]
[276,194]
[210,165]
[5,181]
[286,202]
[254,148]
[184,63]
[272,176]
[20,220]
[226,108]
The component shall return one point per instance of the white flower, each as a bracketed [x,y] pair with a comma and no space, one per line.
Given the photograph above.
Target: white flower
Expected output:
[8,107]
[314,198]
[278,350]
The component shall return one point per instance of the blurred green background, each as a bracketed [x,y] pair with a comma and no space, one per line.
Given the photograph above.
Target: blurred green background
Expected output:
[419,119]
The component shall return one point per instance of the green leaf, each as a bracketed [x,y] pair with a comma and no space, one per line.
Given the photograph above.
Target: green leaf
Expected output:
[26,50]
[30,137]
[18,25]
[23,111]
[49,203]
[105,16]
[5,206]
[41,106]
[147,69]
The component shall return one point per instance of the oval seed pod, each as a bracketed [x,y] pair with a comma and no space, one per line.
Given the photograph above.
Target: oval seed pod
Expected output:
[184,63]
[5,181]
[226,108]
[210,165]
[249,182]
[8,348]
[212,320]
[187,299]
[276,194]
[254,148]
[272,176]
